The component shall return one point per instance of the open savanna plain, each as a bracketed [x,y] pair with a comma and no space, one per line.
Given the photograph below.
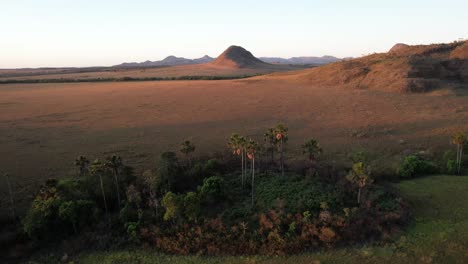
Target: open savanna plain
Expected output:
[44,127]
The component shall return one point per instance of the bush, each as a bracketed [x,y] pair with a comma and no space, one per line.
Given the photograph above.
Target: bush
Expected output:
[212,189]
[42,218]
[168,172]
[192,206]
[413,166]
[452,167]
[78,213]
[450,162]
[173,205]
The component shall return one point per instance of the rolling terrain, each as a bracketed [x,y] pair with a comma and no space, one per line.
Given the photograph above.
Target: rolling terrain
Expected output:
[404,68]
[234,62]
[43,127]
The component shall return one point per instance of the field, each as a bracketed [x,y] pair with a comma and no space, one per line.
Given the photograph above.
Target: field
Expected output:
[438,234]
[43,127]
[207,70]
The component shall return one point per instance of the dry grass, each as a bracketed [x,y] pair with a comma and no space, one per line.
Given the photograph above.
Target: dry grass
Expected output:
[43,127]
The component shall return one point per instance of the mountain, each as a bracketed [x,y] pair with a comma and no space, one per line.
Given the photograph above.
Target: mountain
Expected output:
[168,61]
[404,68]
[301,60]
[238,57]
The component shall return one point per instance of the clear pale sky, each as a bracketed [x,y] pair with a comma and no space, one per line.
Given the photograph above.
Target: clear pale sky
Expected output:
[36,33]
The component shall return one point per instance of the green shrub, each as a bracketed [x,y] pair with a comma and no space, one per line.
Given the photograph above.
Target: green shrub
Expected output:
[172,203]
[78,213]
[168,172]
[452,167]
[450,162]
[192,206]
[212,189]
[413,166]
[129,213]
[42,216]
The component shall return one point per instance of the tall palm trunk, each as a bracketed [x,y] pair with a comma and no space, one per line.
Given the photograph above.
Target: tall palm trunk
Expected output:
[242,160]
[117,189]
[103,195]
[253,180]
[460,158]
[10,191]
[246,163]
[359,196]
[281,157]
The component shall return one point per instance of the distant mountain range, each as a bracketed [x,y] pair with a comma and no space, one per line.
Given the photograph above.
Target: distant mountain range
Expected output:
[168,61]
[174,61]
[301,60]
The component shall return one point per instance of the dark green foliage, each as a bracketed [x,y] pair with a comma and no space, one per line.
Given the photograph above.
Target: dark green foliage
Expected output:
[212,190]
[413,166]
[128,79]
[451,167]
[297,194]
[168,172]
[42,220]
[80,213]
[173,204]
[192,206]
[450,162]
[129,213]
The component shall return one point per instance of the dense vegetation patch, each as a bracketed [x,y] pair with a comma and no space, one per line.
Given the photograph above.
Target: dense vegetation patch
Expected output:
[208,206]
[130,79]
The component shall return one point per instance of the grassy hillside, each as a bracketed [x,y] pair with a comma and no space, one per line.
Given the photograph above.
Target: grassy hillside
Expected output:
[438,234]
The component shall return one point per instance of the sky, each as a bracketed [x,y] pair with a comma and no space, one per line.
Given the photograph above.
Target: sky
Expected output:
[47,33]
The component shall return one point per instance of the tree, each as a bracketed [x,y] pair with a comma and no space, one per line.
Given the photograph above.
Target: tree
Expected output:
[173,205]
[153,183]
[98,168]
[114,163]
[212,190]
[10,193]
[360,176]
[281,135]
[270,139]
[187,148]
[459,139]
[312,149]
[82,163]
[251,149]
[237,144]
[192,206]
[168,170]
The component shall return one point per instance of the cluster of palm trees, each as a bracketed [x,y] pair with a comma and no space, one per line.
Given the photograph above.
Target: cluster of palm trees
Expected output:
[247,149]
[460,140]
[97,167]
[275,139]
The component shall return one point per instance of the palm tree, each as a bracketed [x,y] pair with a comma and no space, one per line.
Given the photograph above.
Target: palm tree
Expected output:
[243,143]
[237,145]
[251,149]
[82,163]
[187,148]
[281,135]
[98,168]
[114,163]
[360,176]
[459,139]
[312,149]
[10,192]
[270,139]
